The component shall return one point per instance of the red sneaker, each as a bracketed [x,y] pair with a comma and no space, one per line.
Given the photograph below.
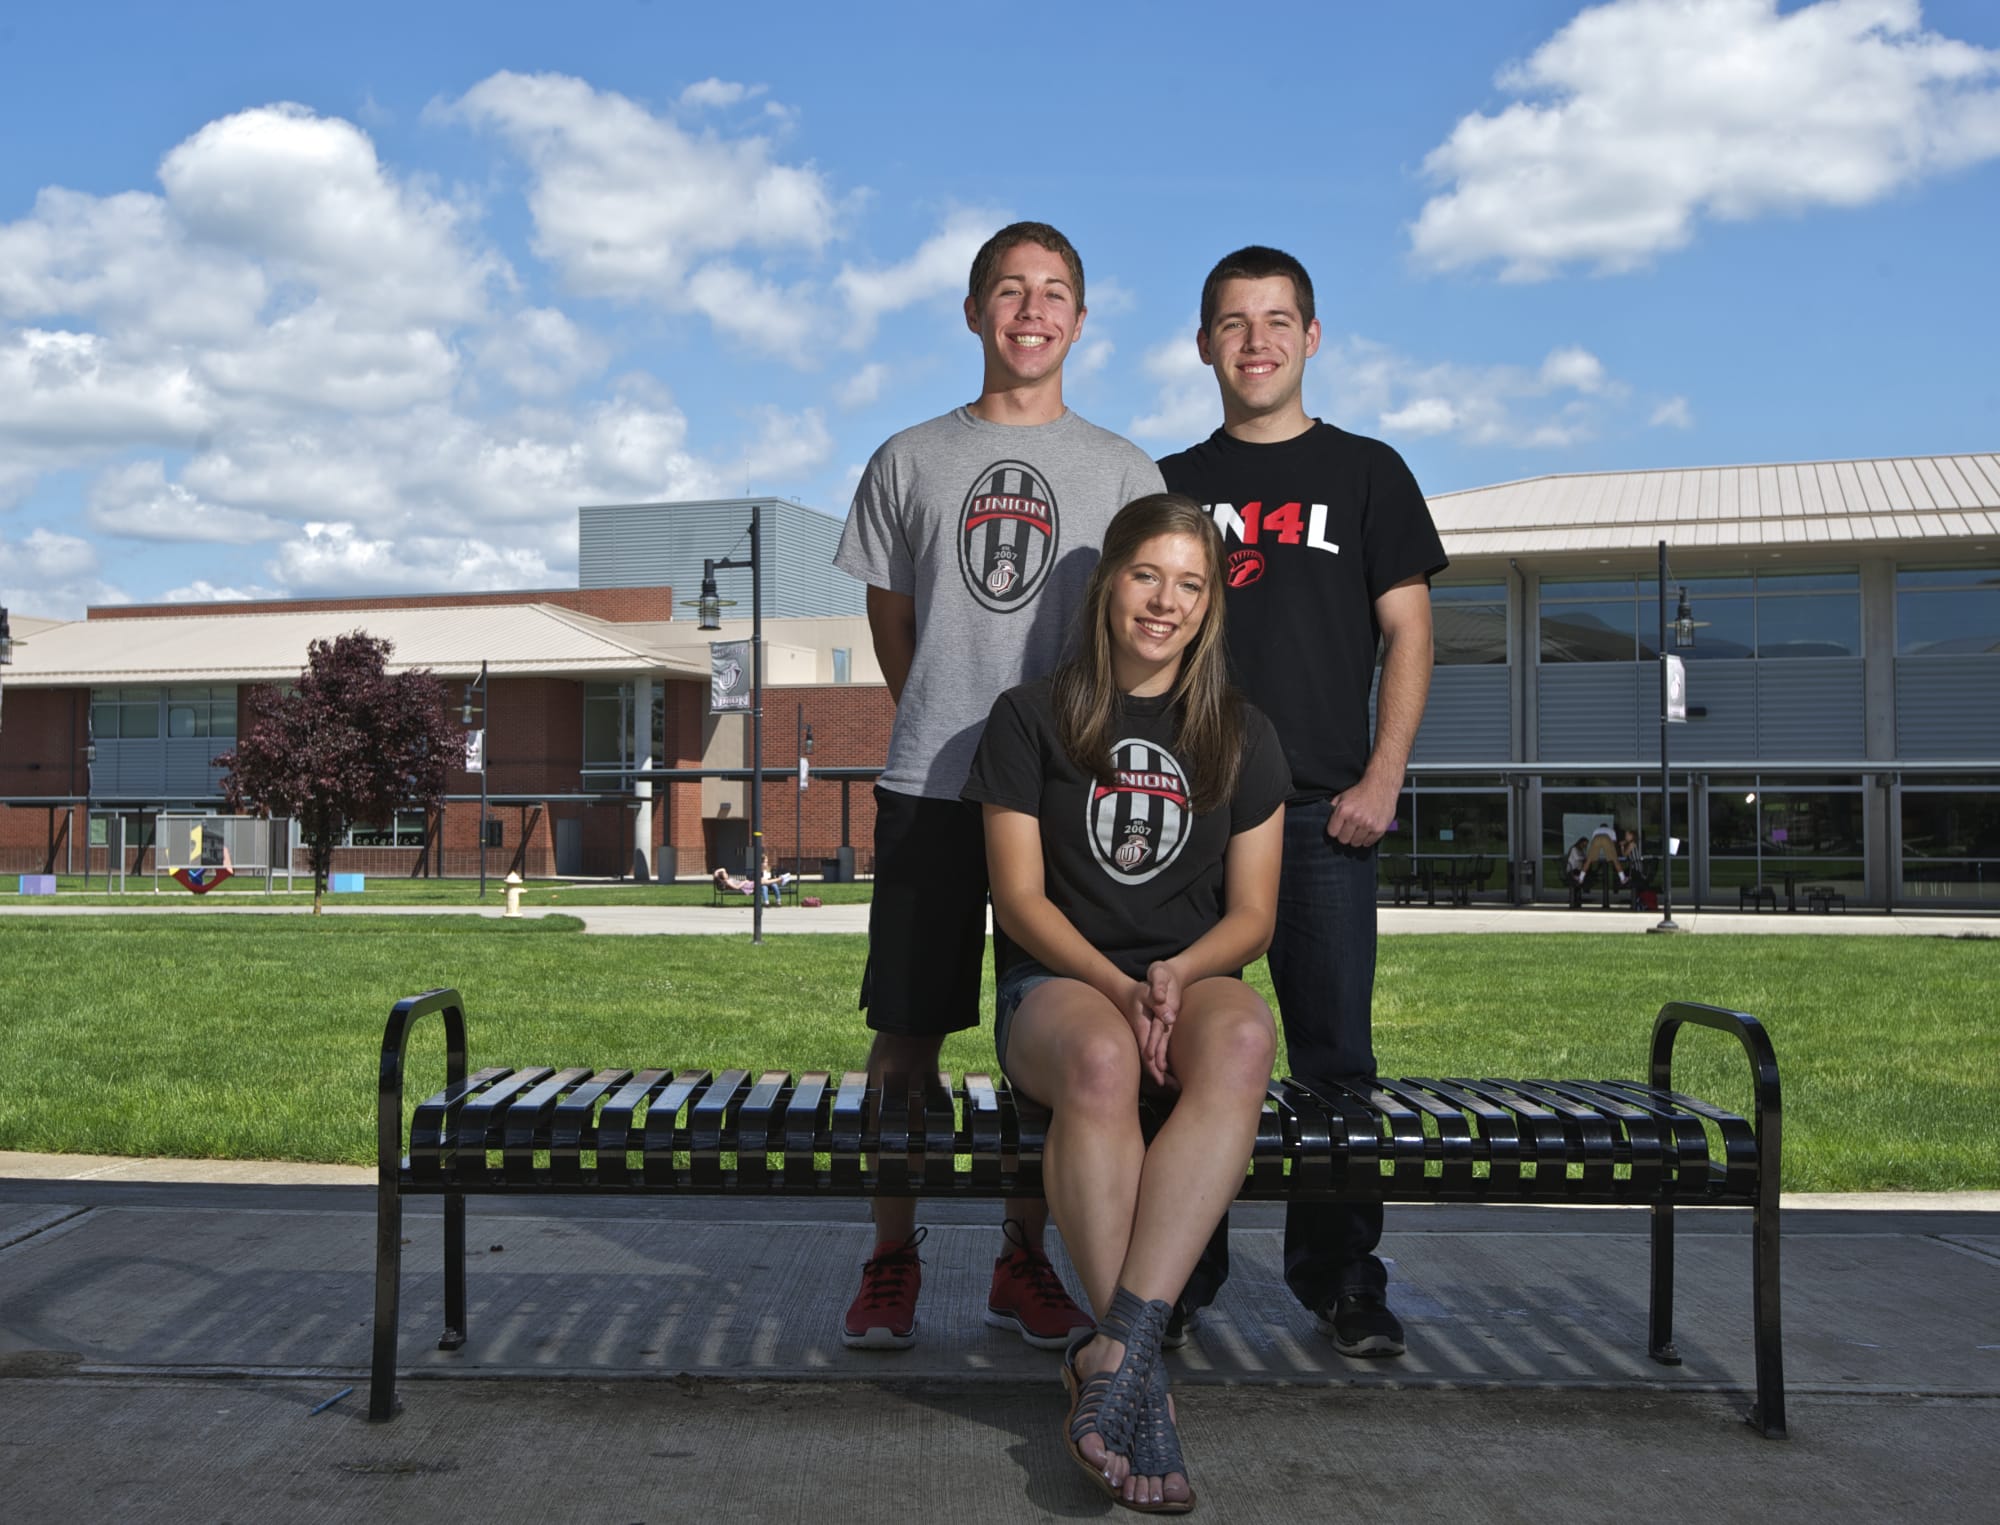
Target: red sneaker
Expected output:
[883,1315]
[1028,1297]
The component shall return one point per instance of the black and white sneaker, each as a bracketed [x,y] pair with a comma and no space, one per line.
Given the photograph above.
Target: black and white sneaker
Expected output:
[1360,1324]
[1180,1324]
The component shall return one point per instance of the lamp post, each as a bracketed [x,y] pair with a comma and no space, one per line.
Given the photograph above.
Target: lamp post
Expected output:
[6,642]
[89,767]
[1683,638]
[467,714]
[710,607]
[805,744]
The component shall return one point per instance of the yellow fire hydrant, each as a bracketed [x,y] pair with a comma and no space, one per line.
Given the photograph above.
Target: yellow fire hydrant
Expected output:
[513,883]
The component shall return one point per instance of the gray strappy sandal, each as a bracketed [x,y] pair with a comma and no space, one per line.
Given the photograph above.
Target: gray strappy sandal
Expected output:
[1109,1403]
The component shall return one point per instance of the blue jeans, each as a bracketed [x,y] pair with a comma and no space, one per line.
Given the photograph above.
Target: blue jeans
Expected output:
[1323,972]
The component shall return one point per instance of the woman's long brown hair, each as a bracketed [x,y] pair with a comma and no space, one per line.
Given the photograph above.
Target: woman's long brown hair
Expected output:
[1208,731]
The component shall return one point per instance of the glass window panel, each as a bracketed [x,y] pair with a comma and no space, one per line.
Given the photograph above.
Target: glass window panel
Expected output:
[1567,588]
[222,719]
[1468,592]
[1941,622]
[1595,632]
[1705,587]
[1469,635]
[103,719]
[139,720]
[1814,625]
[1808,580]
[181,720]
[842,657]
[1724,629]
[1948,577]
[603,730]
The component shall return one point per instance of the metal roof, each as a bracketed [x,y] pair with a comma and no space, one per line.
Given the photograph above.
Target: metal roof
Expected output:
[1902,500]
[220,647]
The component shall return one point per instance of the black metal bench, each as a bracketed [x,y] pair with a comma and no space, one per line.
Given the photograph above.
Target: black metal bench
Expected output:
[504,1132]
[1756,897]
[1824,897]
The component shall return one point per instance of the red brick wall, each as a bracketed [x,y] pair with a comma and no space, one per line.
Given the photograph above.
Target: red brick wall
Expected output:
[43,732]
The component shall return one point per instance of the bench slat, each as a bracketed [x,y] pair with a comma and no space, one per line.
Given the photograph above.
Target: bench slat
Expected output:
[524,1124]
[663,1135]
[805,1130]
[571,1120]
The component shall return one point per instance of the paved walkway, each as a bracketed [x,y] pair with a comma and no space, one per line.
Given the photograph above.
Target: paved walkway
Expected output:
[166,1351]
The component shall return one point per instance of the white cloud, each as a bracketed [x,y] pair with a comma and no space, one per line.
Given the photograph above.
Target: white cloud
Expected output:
[714,94]
[138,501]
[626,203]
[937,268]
[307,195]
[202,591]
[51,575]
[863,387]
[1561,402]
[773,318]
[540,353]
[1422,415]
[1674,413]
[334,558]
[1089,358]
[1186,405]
[1641,117]
[1573,367]
[82,391]
[127,261]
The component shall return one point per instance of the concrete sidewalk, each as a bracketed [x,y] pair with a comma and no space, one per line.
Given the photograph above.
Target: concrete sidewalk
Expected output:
[734,920]
[163,1346]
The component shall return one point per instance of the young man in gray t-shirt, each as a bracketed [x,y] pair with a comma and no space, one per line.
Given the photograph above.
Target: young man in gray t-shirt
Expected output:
[975,533]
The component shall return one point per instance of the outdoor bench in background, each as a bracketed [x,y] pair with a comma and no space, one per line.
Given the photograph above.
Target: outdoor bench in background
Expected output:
[506,1132]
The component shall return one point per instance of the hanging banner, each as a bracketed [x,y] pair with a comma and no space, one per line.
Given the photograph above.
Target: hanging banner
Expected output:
[475,751]
[805,772]
[1677,688]
[729,677]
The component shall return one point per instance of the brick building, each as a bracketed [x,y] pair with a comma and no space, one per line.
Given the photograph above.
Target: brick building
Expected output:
[121,714]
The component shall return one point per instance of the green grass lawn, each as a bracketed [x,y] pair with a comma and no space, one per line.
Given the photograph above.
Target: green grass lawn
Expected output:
[257,1038]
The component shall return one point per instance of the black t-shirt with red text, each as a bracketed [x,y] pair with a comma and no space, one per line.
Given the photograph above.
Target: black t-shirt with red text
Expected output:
[1314,529]
[1131,865]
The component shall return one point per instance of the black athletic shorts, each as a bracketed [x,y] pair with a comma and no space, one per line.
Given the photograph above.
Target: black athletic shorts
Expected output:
[927,922]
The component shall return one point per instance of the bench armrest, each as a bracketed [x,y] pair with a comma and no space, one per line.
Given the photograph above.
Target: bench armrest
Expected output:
[395,1051]
[1768,1109]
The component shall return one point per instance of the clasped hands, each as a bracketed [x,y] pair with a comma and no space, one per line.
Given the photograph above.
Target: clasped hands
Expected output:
[1152,1006]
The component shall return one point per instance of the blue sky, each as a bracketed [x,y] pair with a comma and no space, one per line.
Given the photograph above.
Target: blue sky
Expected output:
[369,301]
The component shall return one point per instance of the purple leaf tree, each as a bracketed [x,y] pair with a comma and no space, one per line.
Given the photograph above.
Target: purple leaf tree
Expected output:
[349,744]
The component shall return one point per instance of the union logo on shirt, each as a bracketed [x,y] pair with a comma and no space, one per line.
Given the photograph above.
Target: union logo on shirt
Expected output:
[1007,536]
[1139,822]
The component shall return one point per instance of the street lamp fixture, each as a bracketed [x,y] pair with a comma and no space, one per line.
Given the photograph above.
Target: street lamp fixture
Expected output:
[1684,623]
[470,711]
[709,608]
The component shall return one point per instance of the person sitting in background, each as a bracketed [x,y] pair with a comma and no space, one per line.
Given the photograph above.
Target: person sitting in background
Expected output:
[732,883]
[1576,867]
[773,884]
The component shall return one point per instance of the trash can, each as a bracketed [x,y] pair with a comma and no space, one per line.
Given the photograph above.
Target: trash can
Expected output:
[839,869]
[1524,881]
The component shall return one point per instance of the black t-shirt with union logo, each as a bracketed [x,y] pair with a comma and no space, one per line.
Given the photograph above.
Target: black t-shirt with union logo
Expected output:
[1135,870]
[1315,529]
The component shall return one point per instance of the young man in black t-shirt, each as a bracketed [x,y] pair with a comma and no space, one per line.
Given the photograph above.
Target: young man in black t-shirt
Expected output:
[1331,550]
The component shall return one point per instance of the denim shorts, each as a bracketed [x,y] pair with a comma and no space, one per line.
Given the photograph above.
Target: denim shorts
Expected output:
[1014,987]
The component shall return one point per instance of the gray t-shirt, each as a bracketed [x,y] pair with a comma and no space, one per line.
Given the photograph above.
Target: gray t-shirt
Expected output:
[993,530]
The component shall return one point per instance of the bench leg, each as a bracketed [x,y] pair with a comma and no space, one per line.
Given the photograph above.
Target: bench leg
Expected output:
[1768,1416]
[1660,1323]
[454,1273]
[388,1287]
